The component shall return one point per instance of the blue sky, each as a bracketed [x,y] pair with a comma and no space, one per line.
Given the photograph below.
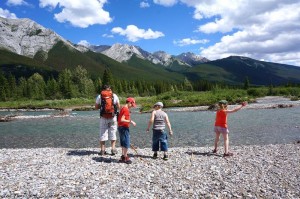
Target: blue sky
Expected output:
[267,30]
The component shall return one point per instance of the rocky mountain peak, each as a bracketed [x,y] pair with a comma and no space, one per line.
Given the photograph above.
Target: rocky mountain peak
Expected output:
[191,58]
[122,52]
[26,37]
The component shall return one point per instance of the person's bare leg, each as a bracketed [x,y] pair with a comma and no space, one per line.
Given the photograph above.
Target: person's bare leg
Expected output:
[217,141]
[113,144]
[125,150]
[226,142]
[102,147]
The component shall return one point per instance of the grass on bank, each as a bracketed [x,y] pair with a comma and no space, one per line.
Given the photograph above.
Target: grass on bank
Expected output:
[170,99]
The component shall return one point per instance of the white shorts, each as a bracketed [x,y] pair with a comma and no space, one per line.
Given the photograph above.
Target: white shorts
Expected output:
[108,128]
[222,130]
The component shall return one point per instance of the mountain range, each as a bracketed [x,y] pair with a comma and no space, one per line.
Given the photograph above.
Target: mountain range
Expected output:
[27,47]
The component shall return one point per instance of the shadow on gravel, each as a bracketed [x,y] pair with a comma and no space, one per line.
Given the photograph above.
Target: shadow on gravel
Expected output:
[81,152]
[105,159]
[203,153]
[142,156]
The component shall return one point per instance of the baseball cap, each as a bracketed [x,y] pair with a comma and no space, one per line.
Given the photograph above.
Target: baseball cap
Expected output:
[223,102]
[131,100]
[159,104]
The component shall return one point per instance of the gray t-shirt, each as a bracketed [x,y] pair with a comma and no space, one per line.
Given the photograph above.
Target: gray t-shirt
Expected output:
[159,120]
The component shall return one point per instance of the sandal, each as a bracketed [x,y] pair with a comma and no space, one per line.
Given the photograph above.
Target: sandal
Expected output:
[114,152]
[102,153]
[154,156]
[228,154]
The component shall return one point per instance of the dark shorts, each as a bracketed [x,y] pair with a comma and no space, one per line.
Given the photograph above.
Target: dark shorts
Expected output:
[124,137]
[159,140]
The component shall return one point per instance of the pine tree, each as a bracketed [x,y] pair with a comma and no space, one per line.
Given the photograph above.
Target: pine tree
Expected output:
[22,88]
[52,89]
[246,83]
[36,87]
[107,78]
[84,83]
[98,85]
[12,87]
[3,87]
[187,85]
[67,88]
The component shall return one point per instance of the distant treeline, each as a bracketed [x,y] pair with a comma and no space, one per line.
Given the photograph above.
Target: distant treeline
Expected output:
[77,83]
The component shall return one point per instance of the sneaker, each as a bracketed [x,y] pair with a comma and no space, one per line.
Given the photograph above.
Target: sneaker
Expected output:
[214,151]
[165,157]
[127,160]
[122,159]
[102,153]
[114,152]
[154,156]
[228,154]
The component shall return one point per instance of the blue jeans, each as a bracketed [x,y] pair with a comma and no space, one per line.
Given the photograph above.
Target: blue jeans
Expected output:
[124,137]
[159,137]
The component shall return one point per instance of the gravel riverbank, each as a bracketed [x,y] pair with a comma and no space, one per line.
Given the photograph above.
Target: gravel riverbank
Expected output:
[270,171]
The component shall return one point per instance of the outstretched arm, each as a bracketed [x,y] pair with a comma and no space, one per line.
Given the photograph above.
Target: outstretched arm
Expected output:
[237,109]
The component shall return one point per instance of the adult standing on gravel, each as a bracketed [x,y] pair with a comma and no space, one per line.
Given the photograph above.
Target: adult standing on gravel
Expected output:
[108,103]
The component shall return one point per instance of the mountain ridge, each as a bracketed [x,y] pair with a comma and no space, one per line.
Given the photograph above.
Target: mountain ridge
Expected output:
[41,49]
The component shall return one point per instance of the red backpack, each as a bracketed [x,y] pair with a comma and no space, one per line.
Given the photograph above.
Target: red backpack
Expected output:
[107,108]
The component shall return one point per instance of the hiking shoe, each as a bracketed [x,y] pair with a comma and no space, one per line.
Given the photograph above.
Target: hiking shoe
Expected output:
[114,152]
[166,157]
[127,160]
[227,154]
[122,160]
[154,156]
[102,153]
[214,151]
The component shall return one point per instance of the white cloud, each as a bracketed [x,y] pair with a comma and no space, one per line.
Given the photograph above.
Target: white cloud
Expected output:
[16,2]
[79,13]
[144,5]
[7,14]
[188,41]
[107,36]
[84,43]
[264,30]
[165,2]
[133,33]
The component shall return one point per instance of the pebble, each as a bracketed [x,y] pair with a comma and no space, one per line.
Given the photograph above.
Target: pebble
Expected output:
[271,171]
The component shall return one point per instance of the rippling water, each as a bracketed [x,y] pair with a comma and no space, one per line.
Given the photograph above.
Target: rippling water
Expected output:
[81,130]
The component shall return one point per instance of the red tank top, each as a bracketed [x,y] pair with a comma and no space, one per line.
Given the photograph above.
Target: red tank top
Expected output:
[221,118]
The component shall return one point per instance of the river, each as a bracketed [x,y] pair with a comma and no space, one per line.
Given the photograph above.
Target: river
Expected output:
[81,129]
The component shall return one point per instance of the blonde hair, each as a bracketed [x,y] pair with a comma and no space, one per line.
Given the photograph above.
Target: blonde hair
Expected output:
[222,106]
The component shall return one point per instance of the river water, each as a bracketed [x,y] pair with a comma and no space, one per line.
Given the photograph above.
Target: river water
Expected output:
[81,129]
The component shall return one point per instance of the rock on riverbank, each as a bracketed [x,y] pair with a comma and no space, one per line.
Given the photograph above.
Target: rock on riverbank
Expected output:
[271,171]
